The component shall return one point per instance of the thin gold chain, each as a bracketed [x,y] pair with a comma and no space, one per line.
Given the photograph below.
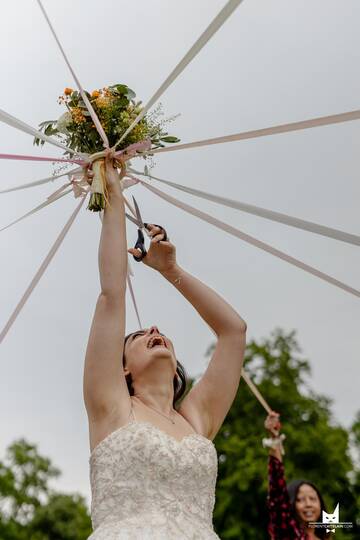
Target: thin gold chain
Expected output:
[172,421]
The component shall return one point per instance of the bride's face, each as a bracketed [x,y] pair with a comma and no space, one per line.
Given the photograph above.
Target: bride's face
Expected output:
[145,346]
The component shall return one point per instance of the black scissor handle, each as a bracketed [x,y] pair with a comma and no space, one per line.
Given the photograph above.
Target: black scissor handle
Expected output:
[162,228]
[140,244]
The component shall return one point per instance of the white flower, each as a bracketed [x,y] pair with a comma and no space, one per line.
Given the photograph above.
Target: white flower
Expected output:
[63,122]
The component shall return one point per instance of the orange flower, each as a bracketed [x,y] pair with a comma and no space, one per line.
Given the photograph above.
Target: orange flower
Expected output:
[95,94]
[68,91]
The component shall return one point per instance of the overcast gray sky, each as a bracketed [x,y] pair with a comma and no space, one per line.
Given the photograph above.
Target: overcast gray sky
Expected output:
[271,63]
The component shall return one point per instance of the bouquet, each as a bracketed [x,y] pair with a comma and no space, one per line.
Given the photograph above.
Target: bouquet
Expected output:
[116,108]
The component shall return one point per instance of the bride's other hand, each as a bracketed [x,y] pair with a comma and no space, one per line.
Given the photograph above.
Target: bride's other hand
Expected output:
[161,255]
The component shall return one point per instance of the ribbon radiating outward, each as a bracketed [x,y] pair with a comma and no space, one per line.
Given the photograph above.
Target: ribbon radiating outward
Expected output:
[264,213]
[39,182]
[93,114]
[19,124]
[265,132]
[213,27]
[41,270]
[251,240]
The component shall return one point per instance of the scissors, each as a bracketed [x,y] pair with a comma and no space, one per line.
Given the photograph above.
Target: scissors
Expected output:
[140,243]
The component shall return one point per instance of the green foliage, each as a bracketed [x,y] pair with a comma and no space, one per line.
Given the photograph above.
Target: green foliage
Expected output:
[316,447]
[64,517]
[116,109]
[29,509]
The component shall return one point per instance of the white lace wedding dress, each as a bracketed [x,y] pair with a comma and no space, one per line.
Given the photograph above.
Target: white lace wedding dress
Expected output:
[147,485]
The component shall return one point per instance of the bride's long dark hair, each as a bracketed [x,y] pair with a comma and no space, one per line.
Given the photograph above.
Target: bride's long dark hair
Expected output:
[180,379]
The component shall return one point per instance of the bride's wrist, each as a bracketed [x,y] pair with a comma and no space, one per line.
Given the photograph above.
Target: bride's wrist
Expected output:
[173,274]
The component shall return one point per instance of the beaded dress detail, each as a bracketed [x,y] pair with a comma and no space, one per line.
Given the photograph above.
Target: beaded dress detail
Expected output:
[147,485]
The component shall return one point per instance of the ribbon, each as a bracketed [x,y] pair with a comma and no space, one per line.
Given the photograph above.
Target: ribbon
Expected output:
[41,271]
[274,443]
[251,240]
[58,191]
[130,287]
[42,158]
[255,391]
[89,107]
[19,124]
[77,188]
[264,213]
[213,27]
[133,299]
[37,208]
[264,132]
[39,182]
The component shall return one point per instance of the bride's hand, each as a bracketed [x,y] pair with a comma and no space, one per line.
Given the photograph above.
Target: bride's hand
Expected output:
[111,173]
[161,254]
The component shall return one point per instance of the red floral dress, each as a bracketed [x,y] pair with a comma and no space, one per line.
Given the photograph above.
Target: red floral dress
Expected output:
[282,524]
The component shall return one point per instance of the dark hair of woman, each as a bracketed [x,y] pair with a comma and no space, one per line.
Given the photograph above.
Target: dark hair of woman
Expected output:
[180,379]
[293,489]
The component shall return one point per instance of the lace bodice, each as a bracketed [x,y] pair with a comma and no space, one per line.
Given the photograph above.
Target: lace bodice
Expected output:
[147,485]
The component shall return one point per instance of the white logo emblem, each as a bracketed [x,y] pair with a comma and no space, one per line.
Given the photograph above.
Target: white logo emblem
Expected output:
[331,522]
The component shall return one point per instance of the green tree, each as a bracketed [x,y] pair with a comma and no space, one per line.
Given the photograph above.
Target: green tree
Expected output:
[317,448]
[29,509]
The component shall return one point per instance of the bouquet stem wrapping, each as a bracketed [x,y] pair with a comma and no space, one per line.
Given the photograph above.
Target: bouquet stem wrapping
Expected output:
[99,194]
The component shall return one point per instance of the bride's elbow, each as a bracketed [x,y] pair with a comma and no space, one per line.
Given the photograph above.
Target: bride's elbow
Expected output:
[238,328]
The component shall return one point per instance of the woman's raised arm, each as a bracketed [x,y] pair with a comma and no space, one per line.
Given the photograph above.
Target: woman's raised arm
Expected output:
[105,387]
[209,401]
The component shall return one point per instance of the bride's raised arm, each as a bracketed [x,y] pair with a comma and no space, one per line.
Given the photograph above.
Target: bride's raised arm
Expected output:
[209,401]
[105,387]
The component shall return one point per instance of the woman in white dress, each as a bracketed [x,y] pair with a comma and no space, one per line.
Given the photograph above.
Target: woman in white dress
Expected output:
[153,465]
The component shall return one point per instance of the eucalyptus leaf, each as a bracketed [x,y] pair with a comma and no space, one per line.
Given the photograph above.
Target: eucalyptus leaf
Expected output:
[170,139]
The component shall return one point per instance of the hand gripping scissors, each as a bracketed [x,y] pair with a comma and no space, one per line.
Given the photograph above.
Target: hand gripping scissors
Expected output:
[140,243]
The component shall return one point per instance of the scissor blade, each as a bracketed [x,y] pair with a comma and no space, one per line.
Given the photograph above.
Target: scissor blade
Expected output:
[133,219]
[137,210]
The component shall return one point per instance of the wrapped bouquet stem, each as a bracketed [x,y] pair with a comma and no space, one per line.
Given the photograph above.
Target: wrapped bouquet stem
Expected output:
[98,189]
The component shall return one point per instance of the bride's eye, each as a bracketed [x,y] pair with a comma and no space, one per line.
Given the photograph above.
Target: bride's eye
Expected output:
[137,335]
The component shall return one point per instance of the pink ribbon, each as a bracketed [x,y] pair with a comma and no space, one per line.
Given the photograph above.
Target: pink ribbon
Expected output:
[131,150]
[128,153]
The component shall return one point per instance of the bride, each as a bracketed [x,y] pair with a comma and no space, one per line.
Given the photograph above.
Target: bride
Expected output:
[153,465]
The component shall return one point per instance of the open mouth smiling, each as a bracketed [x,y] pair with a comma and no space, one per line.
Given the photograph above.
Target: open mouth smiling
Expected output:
[156,341]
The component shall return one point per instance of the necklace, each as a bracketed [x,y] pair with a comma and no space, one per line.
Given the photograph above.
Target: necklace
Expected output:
[172,421]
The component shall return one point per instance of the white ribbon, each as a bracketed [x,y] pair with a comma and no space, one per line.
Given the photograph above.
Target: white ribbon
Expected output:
[213,27]
[128,279]
[251,240]
[41,271]
[89,107]
[133,299]
[264,132]
[255,391]
[264,213]
[40,182]
[18,124]
[274,443]
[37,208]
